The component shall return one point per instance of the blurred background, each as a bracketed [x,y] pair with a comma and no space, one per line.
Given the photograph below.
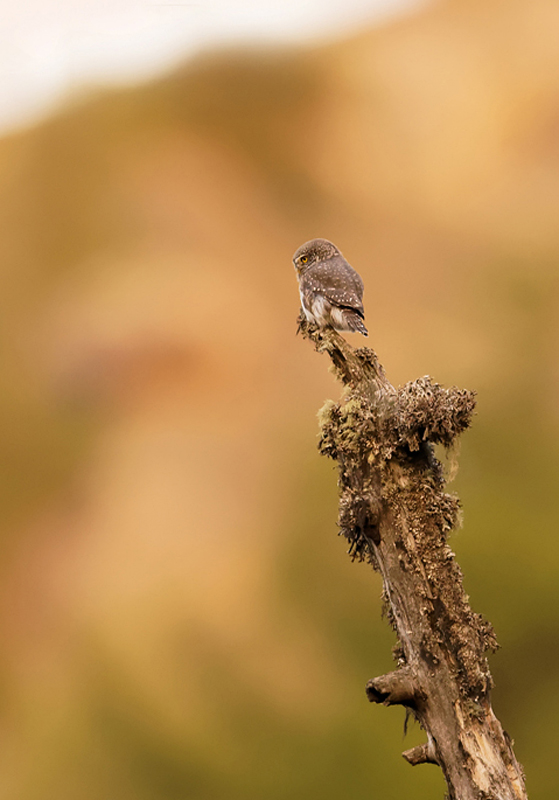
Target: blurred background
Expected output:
[178,617]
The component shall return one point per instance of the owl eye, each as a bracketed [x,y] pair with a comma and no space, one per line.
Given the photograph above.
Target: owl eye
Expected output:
[303,259]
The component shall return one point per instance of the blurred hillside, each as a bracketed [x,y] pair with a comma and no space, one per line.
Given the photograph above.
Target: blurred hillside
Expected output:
[178,617]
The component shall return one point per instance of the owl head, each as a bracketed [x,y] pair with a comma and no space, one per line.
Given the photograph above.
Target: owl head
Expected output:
[313,251]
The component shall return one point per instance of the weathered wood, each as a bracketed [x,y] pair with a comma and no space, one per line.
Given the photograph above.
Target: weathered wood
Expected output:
[422,754]
[395,514]
[396,688]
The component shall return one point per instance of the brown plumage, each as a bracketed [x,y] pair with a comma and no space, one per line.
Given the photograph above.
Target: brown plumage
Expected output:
[331,291]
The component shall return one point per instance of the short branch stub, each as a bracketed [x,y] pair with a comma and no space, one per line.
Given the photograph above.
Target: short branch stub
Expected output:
[422,754]
[395,688]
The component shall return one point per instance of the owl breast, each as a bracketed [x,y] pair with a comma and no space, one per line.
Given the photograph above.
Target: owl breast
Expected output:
[322,312]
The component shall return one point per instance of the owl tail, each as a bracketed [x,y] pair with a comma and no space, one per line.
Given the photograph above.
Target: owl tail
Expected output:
[354,322]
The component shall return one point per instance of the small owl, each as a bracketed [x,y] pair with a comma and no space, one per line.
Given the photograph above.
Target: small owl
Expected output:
[331,291]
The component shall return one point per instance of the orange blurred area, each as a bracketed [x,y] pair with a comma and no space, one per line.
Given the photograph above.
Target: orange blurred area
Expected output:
[178,618]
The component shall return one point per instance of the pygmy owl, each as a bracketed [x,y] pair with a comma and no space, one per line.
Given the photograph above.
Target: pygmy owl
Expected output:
[331,291]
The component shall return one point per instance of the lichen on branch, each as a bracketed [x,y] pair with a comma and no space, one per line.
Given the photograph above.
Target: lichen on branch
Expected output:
[395,514]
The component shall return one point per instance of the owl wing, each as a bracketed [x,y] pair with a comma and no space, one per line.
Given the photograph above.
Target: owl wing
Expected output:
[339,283]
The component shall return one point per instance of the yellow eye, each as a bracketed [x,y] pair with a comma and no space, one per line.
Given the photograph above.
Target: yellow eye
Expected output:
[303,259]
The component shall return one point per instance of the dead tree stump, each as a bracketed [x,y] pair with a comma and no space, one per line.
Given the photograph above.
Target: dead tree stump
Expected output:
[395,514]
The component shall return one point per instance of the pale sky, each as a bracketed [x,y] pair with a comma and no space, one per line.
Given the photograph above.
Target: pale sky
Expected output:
[49,48]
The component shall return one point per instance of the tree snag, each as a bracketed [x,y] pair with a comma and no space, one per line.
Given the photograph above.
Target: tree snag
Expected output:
[395,514]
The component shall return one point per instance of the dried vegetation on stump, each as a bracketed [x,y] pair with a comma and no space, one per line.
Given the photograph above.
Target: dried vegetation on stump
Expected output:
[396,515]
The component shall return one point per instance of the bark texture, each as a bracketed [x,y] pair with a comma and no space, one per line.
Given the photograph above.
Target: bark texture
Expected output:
[395,514]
